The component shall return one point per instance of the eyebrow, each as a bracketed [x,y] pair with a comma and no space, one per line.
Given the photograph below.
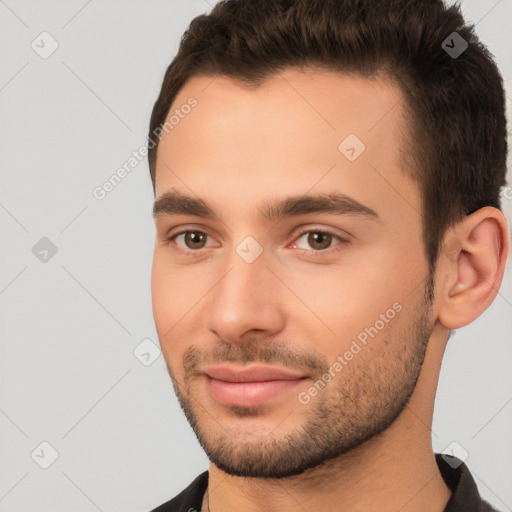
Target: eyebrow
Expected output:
[336,203]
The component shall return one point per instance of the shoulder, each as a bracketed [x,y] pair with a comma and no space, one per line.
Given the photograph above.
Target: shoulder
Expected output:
[188,500]
[465,496]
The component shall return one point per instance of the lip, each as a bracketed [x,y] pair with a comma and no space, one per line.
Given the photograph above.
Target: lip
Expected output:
[249,386]
[231,373]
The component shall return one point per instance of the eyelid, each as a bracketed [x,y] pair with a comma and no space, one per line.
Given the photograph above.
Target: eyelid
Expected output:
[171,236]
[343,239]
[326,231]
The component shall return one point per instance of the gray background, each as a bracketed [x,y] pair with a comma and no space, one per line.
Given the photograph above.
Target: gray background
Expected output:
[70,325]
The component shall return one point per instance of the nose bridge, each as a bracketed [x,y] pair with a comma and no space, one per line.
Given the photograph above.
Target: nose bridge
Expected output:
[244,299]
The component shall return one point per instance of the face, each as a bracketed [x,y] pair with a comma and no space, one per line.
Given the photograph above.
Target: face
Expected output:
[290,289]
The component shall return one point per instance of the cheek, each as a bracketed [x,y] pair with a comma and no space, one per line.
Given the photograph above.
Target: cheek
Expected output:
[162,300]
[174,291]
[166,316]
[343,302]
[172,297]
[177,293]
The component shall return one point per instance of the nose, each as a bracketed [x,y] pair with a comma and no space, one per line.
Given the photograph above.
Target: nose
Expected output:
[246,299]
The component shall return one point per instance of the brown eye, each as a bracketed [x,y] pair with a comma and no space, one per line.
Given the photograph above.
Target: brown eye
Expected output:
[319,240]
[317,243]
[194,239]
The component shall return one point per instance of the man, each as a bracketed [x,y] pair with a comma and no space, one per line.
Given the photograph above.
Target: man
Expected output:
[326,177]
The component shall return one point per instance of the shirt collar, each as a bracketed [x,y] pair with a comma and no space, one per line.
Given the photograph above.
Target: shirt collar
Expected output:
[465,496]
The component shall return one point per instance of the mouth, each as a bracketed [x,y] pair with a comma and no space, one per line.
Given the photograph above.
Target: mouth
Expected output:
[249,386]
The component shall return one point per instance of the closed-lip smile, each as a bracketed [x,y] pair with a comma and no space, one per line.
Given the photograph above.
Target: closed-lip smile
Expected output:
[249,386]
[228,373]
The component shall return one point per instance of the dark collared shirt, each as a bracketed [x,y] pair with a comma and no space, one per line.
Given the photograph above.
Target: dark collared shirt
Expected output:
[464,498]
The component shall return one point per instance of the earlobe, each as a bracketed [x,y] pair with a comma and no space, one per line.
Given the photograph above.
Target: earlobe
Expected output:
[474,264]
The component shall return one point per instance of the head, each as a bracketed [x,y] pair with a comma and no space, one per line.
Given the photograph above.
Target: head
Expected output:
[328,202]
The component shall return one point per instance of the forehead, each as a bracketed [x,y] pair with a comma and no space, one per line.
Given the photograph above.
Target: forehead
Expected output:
[297,130]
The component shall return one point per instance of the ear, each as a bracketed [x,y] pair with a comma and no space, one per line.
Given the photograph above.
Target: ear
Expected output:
[471,266]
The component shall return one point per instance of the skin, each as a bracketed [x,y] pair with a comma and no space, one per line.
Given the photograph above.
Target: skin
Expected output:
[238,148]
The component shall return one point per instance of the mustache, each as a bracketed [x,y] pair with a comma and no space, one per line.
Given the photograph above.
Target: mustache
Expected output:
[253,350]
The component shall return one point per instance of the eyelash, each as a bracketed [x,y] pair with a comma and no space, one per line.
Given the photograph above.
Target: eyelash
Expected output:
[309,252]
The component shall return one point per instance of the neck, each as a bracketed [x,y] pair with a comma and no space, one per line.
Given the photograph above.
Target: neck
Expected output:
[387,473]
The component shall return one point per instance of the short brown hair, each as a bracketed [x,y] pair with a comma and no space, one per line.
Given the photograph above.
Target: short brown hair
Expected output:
[455,104]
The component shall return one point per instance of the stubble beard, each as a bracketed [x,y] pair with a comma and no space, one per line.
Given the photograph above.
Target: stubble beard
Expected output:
[362,402]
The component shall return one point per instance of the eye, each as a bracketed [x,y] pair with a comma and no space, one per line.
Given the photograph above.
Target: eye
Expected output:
[318,240]
[315,241]
[192,240]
